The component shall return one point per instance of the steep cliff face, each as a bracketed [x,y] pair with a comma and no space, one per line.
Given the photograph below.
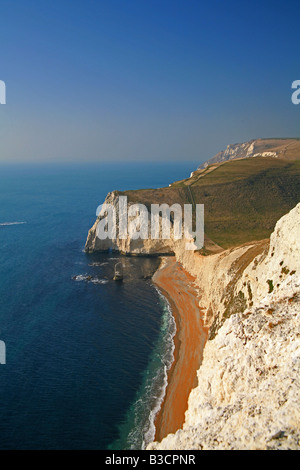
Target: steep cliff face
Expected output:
[129,245]
[232,151]
[248,391]
[218,279]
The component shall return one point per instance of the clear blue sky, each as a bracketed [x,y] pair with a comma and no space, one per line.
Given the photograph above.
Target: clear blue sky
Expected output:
[145,79]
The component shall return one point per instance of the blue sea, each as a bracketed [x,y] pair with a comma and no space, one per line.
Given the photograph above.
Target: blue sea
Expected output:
[86,357]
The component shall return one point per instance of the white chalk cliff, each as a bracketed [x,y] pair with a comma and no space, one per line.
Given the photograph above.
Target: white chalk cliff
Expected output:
[285,148]
[248,393]
[129,245]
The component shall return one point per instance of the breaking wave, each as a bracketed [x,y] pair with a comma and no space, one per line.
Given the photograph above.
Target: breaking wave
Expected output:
[88,278]
[4,224]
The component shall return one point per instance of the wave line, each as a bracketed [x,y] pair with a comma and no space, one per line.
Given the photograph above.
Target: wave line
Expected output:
[3,224]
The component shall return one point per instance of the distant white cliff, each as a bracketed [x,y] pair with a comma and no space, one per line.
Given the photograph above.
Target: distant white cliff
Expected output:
[276,148]
[248,393]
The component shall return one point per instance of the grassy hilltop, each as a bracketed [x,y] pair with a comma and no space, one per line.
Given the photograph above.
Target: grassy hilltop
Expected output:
[243,198]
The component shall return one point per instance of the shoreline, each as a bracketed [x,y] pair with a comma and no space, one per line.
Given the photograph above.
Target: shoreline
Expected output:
[176,285]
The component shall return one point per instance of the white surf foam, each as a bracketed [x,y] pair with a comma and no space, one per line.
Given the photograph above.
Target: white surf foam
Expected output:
[104,263]
[4,224]
[155,383]
[167,359]
[88,278]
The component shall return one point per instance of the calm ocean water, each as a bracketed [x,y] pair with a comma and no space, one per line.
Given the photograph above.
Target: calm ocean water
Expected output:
[86,358]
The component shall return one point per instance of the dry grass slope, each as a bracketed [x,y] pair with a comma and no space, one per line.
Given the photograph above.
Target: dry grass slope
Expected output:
[243,198]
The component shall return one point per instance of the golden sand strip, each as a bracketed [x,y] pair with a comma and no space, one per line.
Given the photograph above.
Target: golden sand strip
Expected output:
[176,285]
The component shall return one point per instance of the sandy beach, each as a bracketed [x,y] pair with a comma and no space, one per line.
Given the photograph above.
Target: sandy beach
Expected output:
[177,286]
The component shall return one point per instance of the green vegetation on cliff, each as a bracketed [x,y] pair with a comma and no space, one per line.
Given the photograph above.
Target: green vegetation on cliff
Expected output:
[243,199]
